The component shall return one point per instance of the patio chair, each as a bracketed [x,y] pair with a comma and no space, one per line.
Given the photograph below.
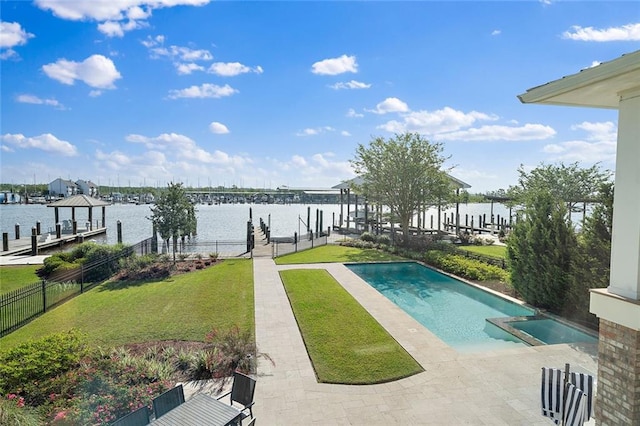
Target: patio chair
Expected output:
[252,422]
[169,400]
[139,417]
[241,392]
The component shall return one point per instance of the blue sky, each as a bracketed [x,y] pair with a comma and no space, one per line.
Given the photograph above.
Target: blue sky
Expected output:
[266,94]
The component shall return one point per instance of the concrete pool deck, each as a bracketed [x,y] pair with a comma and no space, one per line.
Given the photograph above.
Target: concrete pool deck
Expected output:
[489,388]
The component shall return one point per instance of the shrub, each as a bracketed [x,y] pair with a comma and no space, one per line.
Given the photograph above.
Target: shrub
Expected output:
[14,412]
[25,369]
[464,267]
[367,236]
[213,255]
[383,240]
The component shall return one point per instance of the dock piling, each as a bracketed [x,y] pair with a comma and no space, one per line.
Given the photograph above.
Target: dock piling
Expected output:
[5,241]
[17,228]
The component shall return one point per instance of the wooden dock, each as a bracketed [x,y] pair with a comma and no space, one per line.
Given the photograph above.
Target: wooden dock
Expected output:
[48,240]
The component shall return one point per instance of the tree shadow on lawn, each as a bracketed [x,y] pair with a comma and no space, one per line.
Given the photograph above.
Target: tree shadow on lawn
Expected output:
[123,285]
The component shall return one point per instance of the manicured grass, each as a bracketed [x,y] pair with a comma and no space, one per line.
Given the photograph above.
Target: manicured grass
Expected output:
[184,307]
[335,253]
[15,277]
[345,343]
[493,251]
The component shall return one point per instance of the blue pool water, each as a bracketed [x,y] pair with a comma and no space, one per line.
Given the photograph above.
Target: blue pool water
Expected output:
[454,311]
[551,332]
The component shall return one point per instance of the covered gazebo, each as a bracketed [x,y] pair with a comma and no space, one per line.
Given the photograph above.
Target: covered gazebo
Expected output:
[615,85]
[347,186]
[80,201]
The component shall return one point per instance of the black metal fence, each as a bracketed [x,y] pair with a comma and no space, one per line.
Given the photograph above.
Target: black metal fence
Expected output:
[282,248]
[219,248]
[22,305]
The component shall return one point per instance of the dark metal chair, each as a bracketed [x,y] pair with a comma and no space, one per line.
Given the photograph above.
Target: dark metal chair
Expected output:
[169,400]
[242,391]
[139,417]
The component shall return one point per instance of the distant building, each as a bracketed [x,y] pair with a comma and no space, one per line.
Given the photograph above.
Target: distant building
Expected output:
[62,188]
[87,188]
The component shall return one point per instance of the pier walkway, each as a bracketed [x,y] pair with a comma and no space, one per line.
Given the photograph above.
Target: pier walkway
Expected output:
[22,245]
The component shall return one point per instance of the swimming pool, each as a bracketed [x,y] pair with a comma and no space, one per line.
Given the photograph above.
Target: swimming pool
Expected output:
[452,310]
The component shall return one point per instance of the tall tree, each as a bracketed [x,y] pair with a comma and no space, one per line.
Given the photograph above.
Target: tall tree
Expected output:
[173,215]
[541,251]
[402,173]
[594,261]
[568,183]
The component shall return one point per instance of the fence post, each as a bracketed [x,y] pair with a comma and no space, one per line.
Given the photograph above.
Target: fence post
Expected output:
[81,279]
[44,296]
[119,226]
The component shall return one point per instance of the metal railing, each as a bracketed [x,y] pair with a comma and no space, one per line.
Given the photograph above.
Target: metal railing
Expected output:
[22,305]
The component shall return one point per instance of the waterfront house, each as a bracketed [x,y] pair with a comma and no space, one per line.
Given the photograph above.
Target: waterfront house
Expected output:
[62,188]
[87,188]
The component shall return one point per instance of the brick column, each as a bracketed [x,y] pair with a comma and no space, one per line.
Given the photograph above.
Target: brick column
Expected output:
[618,396]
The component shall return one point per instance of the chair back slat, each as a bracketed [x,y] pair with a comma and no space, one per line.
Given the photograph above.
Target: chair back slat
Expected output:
[139,417]
[242,389]
[169,400]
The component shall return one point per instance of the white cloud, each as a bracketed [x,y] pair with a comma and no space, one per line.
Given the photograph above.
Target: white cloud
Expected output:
[230,69]
[500,133]
[96,71]
[184,69]
[206,90]
[335,66]
[315,131]
[12,35]
[45,142]
[115,17]
[32,99]
[390,105]
[186,149]
[353,84]
[218,128]
[95,93]
[117,28]
[496,32]
[600,144]
[345,133]
[351,113]
[599,131]
[181,53]
[629,32]
[440,121]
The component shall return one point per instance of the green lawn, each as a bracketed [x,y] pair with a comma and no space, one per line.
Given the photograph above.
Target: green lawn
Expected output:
[492,250]
[14,277]
[184,307]
[345,343]
[335,253]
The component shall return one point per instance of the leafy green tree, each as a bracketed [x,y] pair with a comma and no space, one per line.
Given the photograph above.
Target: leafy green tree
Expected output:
[570,184]
[593,263]
[541,251]
[173,215]
[403,173]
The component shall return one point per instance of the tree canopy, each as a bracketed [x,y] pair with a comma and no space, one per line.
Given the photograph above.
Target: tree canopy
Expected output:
[173,215]
[403,173]
[568,183]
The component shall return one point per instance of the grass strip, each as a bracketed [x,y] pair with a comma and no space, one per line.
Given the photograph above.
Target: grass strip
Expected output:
[15,277]
[183,307]
[499,252]
[345,343]
[335,253]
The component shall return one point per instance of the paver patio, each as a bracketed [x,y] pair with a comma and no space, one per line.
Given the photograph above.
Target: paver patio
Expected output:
[490,388]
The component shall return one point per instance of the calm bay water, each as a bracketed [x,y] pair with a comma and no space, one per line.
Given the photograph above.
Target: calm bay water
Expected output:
[224,222]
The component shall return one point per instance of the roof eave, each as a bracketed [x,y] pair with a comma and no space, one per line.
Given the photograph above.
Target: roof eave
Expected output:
[552,93]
